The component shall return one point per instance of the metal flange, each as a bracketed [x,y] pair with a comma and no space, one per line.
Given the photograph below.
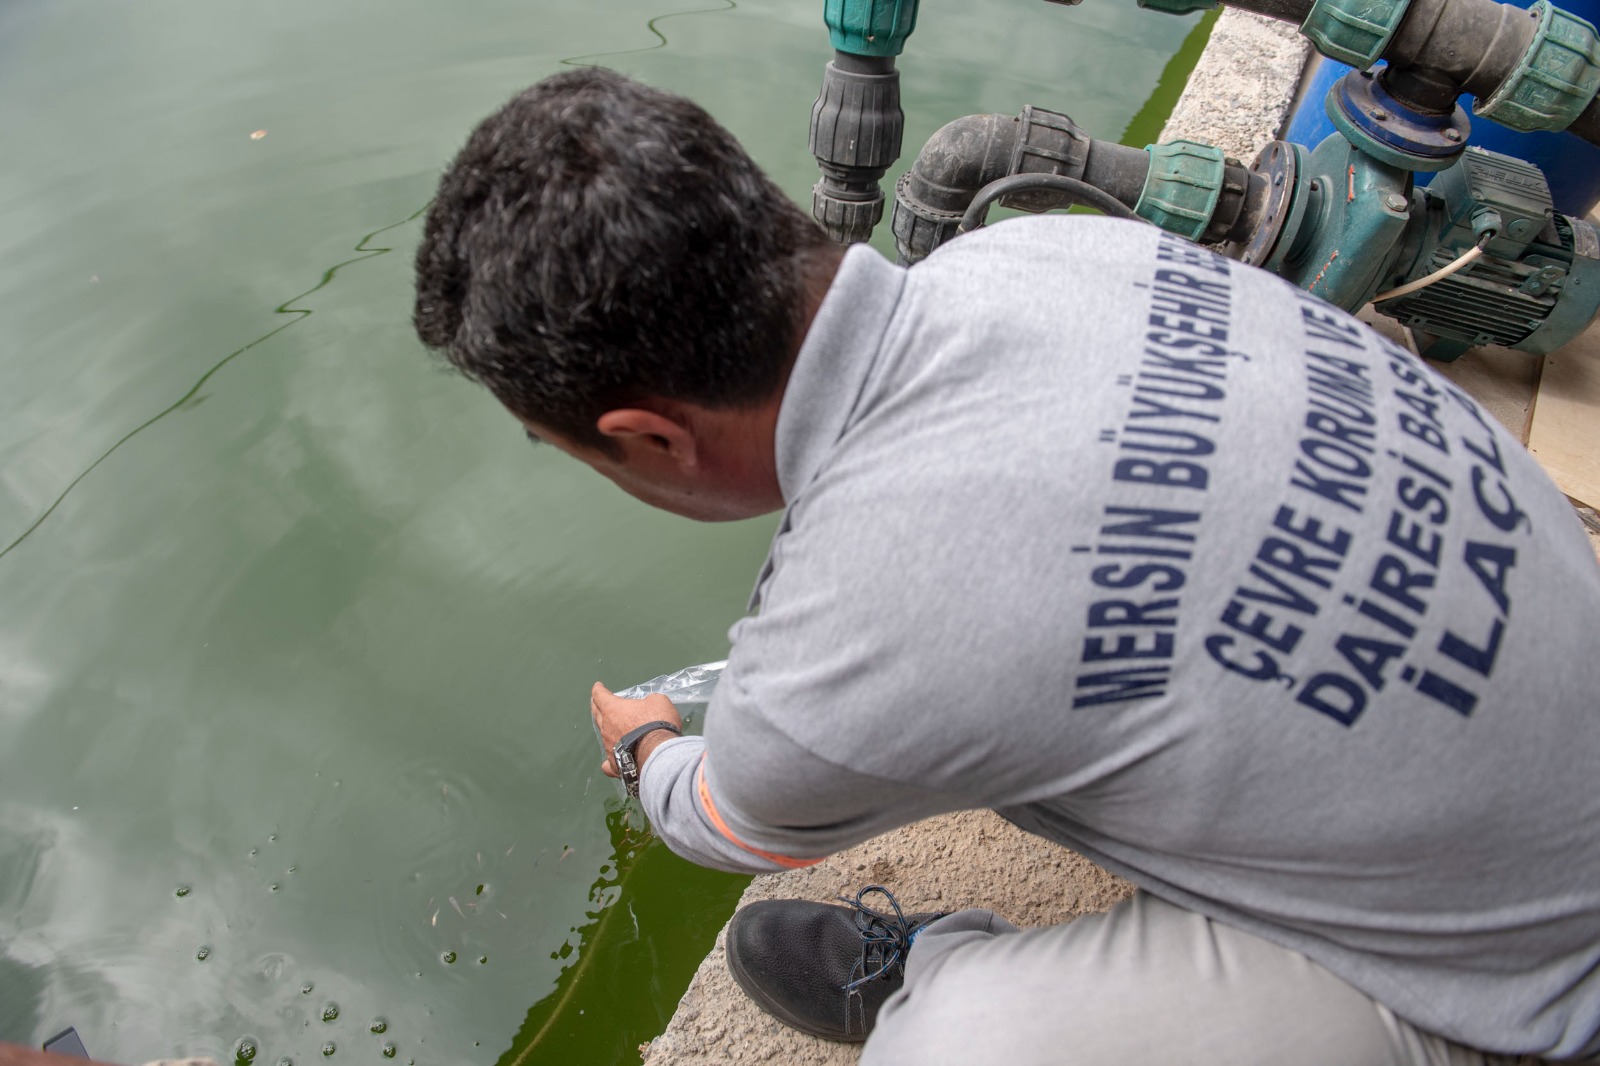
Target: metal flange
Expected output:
[1389,131]
[1279,165]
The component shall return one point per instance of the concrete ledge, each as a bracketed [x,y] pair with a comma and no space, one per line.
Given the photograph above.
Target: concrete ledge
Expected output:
[1240,92]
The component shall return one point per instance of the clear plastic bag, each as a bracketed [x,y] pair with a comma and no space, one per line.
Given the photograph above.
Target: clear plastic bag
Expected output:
[692,684]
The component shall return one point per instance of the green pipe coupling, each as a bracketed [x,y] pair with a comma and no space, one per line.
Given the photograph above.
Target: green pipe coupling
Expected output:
[1555,79]
[1353,31]
[1182,187]
[870,27]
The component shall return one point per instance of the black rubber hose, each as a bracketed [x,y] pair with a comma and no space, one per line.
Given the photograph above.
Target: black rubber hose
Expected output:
[1077,192]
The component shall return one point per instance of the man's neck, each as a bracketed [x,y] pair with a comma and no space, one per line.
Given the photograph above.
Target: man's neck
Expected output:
[817,274]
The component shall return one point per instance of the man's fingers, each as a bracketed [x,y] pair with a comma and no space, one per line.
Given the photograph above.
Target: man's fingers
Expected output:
[599,696]
[606,767]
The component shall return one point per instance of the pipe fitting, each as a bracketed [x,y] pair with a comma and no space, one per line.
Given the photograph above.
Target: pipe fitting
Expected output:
[856,128]
[1354,32]
[957,161]
[1182,187]
[1443,48]
[973,151]
[870,27]
[1556,78]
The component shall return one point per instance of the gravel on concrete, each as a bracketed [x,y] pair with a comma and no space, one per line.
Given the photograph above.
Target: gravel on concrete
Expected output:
[1241,91]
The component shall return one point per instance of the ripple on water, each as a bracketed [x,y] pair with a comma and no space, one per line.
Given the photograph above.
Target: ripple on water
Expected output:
[450,904]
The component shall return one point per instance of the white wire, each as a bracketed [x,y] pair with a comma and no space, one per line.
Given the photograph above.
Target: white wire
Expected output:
[1465,259]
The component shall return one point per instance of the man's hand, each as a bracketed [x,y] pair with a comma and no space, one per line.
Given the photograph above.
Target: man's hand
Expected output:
[614,716]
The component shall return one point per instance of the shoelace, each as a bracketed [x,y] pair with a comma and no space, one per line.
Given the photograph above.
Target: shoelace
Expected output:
[885,936]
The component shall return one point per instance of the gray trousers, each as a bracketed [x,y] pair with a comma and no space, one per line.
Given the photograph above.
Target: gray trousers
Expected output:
[1144,983]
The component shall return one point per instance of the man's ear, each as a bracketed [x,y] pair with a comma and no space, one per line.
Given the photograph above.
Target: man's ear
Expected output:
[656,433]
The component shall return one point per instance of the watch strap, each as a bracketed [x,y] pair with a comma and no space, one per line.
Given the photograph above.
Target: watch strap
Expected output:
[624,754]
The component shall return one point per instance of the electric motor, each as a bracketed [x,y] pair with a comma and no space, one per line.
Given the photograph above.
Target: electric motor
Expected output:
[1537,283]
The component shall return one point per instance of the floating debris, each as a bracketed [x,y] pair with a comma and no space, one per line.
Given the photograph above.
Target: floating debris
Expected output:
[256,136]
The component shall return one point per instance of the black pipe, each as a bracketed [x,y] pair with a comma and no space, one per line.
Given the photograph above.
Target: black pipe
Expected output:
[1239,207]
[1443,48]
[1587,124]
[958,160]
[974,151]
[1284,10]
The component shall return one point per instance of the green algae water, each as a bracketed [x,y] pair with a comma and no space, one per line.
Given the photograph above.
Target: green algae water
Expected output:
[298,631]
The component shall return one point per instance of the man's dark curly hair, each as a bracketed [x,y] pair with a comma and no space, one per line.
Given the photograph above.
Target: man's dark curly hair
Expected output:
[598,241]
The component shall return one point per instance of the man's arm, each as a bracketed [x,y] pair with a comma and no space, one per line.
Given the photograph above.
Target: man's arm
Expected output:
[673,788]
[754,801]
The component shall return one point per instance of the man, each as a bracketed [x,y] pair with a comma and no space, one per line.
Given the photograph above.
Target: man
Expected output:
[1157,556]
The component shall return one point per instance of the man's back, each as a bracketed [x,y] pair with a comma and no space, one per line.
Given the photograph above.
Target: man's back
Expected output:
[1171,563]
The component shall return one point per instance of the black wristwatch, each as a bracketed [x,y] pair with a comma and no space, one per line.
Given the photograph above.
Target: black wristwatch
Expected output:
[623,754]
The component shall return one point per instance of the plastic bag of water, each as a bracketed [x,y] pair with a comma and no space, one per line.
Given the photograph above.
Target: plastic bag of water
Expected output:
[692,684]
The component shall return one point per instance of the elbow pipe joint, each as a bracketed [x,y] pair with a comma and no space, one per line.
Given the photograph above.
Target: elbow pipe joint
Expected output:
[957,161]
[973,151]
[856,128]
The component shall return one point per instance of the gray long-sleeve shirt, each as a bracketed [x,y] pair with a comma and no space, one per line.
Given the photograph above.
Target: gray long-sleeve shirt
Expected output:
[1173,564]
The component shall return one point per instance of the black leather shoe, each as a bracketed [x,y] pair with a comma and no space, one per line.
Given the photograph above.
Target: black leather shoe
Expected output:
[821,968]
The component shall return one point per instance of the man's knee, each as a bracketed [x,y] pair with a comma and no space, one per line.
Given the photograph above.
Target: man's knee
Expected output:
[1144,982]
